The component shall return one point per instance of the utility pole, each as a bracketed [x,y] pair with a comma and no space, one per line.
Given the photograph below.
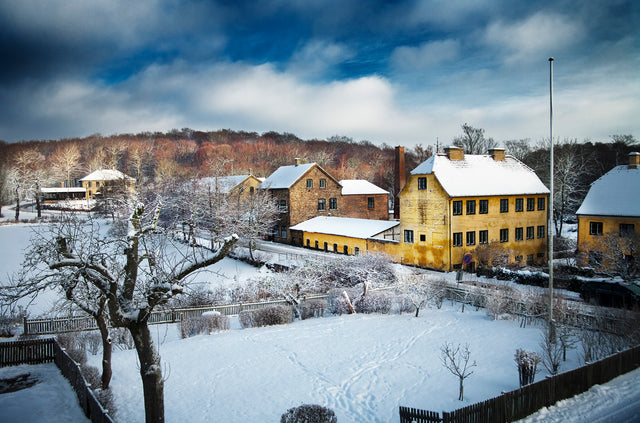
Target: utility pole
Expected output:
[552,329]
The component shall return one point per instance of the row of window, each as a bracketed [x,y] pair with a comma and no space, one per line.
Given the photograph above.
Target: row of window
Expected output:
[323,183]
[483,205]
[483,236]
[345,248]
[322,204]
[625,229]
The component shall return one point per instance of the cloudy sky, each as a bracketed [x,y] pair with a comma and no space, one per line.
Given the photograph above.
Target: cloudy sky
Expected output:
[399,72]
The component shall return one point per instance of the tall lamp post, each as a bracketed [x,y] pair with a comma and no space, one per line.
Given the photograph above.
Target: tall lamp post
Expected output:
[552,332]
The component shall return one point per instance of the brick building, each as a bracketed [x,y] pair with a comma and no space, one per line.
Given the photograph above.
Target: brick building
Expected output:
[364,200]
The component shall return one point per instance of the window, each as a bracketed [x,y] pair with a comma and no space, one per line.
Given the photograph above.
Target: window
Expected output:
[531,204]
[518,258]
[542,230]
[519,234]
[356,251]
[457,239]
[471,206]
[541,204]
[371,203]
[519,204]
[309,183]
[504,205]
[484,206]
[540,255]
[422,183]
[504,235]
[323,183]
[626,229]
[530,234]
[283,206]
[346,250]
[408,236]
[595,228]
[471,238]
[529,259]
[283,232]
[335,248]
[308,243]
[326,246]
[483,237]
[251,190]
[276,230]
[457,208]
[333,204]
[423,238]
[322,204]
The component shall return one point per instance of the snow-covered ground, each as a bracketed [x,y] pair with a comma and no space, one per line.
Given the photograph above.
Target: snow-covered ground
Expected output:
[361,366]
[51,399]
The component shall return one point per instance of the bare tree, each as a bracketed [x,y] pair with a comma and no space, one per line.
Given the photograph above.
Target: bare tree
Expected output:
[457,362]
[65,160]
[527,363]
[26,177]
[552,352]
[473,140]
[619,253]
[518,148]
[136,272]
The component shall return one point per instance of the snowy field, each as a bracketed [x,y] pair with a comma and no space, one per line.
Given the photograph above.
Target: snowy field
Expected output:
[361,366]
[50,400]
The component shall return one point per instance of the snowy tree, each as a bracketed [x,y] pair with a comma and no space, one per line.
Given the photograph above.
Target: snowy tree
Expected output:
[619,253]
[65,160]
[422,290]
[136,272]
[457,362]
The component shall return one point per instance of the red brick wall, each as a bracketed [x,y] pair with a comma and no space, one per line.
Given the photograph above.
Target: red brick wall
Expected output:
[358,206]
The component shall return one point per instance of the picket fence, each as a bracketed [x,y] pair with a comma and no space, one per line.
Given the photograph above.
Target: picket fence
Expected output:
[520,403]
[39,351]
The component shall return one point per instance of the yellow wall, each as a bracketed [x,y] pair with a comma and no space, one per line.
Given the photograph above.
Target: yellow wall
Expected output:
[428,213]
[341,241]
[588,242]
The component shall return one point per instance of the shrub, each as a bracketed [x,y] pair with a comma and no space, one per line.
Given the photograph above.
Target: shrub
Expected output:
[205,324]
[313,308]
[91,341]
[337,304]
[309,413]
[268,316]
[374,302]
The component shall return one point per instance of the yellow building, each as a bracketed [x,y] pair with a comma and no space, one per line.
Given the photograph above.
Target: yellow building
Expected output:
[612,206]
[456,210]
[234,185]
[101,182]
[345,235]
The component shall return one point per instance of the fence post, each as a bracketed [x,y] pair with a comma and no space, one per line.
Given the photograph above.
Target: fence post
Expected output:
[25,330]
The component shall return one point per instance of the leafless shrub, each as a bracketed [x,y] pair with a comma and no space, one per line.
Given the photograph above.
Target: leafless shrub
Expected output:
[91,375]
[337,303]
[205,324]
[309,413]
[267,316]
[122,339]
[527,362]
[552,351]
[374,302]
[313,308]
[92,341]
[499,301]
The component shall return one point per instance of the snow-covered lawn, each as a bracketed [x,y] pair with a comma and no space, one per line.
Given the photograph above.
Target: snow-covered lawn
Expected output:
[361,366]
[51,399]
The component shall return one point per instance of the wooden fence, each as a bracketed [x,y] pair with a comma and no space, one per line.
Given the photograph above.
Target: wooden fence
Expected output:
[174,315]
[522,402]
[38,351]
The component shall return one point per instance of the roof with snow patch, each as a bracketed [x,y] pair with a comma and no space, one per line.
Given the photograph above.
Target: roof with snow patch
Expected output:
[106,175]
[285,176]
[360,186]
[482,175]
[616,193]
[345,226]
[224,183]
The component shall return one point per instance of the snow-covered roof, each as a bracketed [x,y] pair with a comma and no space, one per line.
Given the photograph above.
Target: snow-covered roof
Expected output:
[360,186]
[616,193]
[106,175]
[285,176]
[65,189]
[345,226]
[224,183]
[482,175]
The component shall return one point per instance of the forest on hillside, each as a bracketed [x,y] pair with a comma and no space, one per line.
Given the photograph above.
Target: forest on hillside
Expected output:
[186,154]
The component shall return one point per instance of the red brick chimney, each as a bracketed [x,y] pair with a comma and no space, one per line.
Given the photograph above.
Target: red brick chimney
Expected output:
[400,180]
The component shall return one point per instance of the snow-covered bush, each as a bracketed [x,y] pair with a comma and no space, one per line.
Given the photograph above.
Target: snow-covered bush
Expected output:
[309,413]
[374,302]
[205,324]
[337,302]
[267,316]
[498,301]
[527,362]
[313,308]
